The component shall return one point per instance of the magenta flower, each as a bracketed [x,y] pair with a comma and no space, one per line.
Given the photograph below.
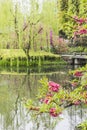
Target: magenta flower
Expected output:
[80,32]
[53,112]
[47,101]
[80,21]
[54,87]
[83,31]
[78,74]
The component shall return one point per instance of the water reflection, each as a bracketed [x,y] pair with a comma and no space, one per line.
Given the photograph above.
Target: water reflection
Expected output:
[71,117]
[16,85]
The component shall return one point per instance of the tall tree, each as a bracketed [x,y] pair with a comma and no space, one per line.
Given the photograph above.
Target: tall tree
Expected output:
[49,15]
[62,17]
[5,22]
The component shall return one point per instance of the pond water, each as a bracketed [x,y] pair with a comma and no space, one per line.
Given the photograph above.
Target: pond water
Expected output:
[16,84]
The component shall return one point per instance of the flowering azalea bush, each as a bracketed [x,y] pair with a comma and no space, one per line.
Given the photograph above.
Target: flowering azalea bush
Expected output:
[60,44]
[53,98]
[80,28]
[80,31]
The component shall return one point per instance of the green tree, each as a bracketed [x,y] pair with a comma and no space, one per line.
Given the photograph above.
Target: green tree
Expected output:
[83,8]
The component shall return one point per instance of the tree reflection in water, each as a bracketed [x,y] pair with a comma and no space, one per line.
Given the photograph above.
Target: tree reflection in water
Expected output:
[13,114]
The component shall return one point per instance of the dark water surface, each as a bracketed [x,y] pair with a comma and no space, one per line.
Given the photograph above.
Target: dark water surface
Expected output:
[15,84]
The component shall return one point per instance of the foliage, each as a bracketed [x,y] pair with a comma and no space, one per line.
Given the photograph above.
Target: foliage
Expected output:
[83,125]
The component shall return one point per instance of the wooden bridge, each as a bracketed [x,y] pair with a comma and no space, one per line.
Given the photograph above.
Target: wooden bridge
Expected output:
[75,58]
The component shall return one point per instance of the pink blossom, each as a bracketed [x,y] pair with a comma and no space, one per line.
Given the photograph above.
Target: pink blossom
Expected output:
[49,94]
[77,102]
[85,101]
[53,112]
[80,20]
[78,74]
[83,31]
[86,20]
[54,86]
[80,32]
[47,100]
[41,100]
[75,18]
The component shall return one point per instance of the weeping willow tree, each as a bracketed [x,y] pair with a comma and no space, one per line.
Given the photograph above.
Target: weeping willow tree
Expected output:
[5,23]
[49,14]
[49,22]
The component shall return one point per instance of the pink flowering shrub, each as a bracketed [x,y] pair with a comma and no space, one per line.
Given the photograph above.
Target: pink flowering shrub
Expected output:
[47,99]
[60,44]
[77,102]
[78,73]
[80,32]
[80,21]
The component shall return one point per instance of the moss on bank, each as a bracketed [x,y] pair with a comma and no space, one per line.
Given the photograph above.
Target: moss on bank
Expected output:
[17,57]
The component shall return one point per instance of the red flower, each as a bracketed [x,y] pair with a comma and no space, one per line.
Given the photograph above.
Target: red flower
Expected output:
[77,102]
[85,101]
[80,20]
[54,86]
[47,100]
[53,112]
[78,74]
[83,31]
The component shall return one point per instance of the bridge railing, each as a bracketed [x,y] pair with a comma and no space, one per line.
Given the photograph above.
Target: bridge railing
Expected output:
[73,53]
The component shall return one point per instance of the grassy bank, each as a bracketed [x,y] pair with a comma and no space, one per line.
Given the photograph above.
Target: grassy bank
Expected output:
[17,57]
